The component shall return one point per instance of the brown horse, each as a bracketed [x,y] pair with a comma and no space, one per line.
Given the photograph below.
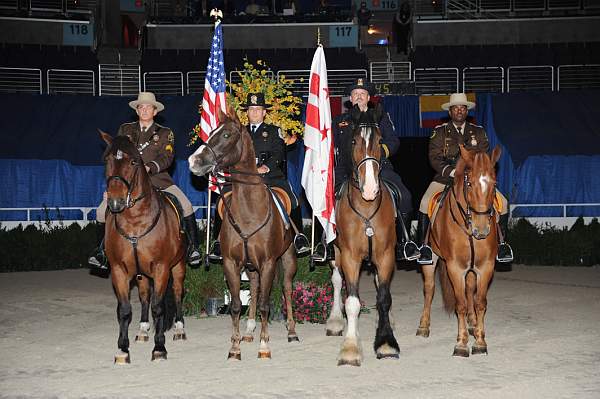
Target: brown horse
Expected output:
[143,240]
[253,235]
[365,230]
[464,240]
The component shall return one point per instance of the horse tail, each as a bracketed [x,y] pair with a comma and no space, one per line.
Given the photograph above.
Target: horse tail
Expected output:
[447,290]
[169,305]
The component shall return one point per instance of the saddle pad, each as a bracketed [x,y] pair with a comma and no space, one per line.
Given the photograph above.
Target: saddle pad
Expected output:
[281,194]
[433,203]
[174,202]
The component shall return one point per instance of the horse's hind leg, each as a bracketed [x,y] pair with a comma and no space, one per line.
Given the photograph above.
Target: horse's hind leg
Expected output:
[428,272]
[471,286]
[483,282]
[290,265]
[251,321]
[335,322]
[178,274]
[385,344]
[120,282]
[264,305]
[351,352]
[144,293]
[232,275]
[456,275]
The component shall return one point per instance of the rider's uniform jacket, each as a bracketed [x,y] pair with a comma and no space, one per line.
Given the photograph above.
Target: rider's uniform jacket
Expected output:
[156,146]
[444,150]
[270,151]
[343,129]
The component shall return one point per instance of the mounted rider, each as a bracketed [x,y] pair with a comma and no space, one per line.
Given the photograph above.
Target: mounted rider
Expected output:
[444,152]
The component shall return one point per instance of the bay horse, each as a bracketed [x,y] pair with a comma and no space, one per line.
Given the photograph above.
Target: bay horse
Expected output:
[143,242]
[464,240]
[253,235]
[365,231]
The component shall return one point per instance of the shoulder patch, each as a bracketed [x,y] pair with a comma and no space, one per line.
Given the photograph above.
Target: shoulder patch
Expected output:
[171,136]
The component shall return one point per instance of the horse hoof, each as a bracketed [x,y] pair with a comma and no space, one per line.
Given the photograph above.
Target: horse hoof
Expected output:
[122,358]
[142,338]
[459,351]
[179,336]
[158,356]
[349,362]
[264,354]
[388,356]
[293,338]
[479,350]
[234,356]
[423,332]
[472,331]
[332,333]
[248,338]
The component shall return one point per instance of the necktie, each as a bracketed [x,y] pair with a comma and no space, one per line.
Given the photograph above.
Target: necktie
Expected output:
[144,129]
[458,129]
[253,128]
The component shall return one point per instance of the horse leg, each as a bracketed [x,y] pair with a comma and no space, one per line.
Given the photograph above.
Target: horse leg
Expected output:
[160,313]
[385,344]
[483,281]
[144,292]
[266,281]
[335,322]
[456,275]
[232,275]
[471,285]
[428,272]
[178,274]
[120,281]
[351,351]
[290,266]
[251,322]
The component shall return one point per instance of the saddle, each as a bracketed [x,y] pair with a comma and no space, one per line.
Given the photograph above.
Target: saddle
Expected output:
[283,197]
[438,198]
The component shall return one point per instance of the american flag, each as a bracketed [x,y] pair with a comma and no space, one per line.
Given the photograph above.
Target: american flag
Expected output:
[214,86]
[317,173]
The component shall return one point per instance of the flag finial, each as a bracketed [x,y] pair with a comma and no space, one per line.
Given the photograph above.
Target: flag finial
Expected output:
[216,14]
[318,36]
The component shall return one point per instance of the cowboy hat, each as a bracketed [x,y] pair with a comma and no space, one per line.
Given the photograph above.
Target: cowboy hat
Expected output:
[146,97]
[255,100]
[361,83]
[458,99]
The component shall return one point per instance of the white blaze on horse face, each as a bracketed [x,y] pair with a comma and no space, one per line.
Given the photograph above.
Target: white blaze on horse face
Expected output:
[484,181]
[370,186]
[200,149]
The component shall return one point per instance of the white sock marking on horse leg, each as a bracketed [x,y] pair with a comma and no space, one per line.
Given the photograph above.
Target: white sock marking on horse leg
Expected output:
[179,325]
[336,280]
[352,311]
[144,326]
[250,326]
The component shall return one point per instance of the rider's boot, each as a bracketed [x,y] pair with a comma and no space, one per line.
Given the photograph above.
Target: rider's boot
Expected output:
[301,243]
[505,253]
[97,259]
[214,255]
[191,230]
[406,249]
[426,257]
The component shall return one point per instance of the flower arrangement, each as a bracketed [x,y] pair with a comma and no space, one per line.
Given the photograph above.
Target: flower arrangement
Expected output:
[285,107]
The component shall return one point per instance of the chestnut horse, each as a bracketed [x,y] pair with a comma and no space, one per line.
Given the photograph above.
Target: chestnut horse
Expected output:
[464,240]
[253,234]
[143,241]
[365,231]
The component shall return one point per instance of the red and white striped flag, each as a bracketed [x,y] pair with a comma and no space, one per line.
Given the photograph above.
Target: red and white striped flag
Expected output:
[214,90]
[317,173]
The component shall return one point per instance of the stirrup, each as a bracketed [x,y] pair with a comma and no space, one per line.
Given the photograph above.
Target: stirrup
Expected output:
[213,256]
[509,257]
[424,249]
[194,258]
[96,264]
[316,256]
[301,248]
[417,255]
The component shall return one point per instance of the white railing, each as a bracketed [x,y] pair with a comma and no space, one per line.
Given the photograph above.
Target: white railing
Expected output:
[564,219]
[436,80]
[524,78]
[195,82]
[337,79]
[390,72]
[483,79]
[164,83]
[578,77]
[20,80]
[70,81]
[118,80]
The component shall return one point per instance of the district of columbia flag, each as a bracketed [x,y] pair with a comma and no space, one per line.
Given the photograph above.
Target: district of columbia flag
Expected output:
[317,173]
[214,88]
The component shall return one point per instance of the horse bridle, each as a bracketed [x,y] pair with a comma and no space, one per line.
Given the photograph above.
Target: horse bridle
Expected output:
[355,169]
[466,214]
[130,202]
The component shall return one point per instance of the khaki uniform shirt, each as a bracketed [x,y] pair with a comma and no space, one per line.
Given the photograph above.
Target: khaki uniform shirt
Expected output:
[156,146]
[444,150]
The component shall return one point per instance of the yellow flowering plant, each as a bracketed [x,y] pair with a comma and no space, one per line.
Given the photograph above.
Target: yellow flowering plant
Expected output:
[284,110]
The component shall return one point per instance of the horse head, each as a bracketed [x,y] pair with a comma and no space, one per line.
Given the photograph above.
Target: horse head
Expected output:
[222,149]
[123,168]
[366,150]
[476,171]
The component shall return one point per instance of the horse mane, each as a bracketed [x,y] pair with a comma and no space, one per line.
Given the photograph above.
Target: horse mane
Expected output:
[124,144]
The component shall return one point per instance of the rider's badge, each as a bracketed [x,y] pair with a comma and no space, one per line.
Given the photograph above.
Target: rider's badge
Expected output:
[473,141]
[155,138]
[265,134]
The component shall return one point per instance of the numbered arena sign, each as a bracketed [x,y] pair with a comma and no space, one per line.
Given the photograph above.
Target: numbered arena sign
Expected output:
[78,34]
[343,36]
